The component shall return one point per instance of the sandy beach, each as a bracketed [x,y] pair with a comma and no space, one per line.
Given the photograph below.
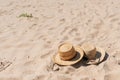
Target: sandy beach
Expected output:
[31,30]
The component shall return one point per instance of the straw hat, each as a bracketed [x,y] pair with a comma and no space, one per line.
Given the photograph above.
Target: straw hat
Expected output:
[68,54]
[94,54]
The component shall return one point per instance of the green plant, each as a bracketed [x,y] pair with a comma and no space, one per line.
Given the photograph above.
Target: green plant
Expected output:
[26,15]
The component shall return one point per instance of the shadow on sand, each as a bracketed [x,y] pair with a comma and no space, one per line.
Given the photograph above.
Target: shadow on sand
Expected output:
[84,60]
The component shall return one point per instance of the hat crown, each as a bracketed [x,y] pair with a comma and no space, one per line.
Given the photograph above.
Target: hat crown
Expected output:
[90,50]
[66,51]
[65,47]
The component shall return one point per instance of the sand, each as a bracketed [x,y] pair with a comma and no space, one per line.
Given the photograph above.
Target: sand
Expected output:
[27,43]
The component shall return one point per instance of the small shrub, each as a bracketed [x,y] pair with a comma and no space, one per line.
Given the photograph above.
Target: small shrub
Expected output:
[26,15]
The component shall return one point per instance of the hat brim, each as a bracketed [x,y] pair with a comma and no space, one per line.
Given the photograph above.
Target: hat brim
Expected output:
[77,58]
[99,56]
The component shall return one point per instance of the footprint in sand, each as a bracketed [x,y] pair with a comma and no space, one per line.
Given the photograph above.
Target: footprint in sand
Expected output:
[45,55]
[99,25]
[51,28]
[86,78]
[45,38]
[73,31]
[114,18]
[12,78]
[118,62]
[68,70]
[40,77]
[117,57]
[65,38]
[112,76]
[77,38]
[64,30]
[63,78]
